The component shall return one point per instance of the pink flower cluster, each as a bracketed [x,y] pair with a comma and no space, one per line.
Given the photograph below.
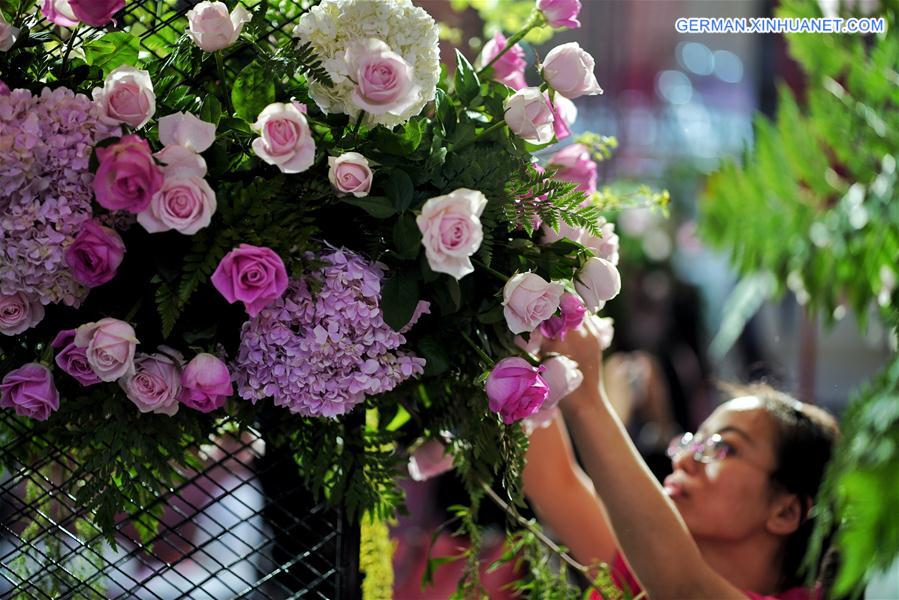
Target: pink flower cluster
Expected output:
[322,355]
[45,189]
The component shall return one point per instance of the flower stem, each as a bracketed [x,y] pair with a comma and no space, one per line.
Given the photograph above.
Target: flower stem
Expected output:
[69,44]
[220,68]
[480,351]
[536,19]
[493,127]
[490,270]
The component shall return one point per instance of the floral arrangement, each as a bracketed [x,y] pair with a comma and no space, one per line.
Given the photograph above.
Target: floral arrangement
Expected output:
[325,233]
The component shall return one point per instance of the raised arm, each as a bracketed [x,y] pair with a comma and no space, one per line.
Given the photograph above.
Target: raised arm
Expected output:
[650,532]
[563,496]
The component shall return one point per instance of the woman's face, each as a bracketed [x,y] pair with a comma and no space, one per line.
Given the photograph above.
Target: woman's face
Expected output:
[730,498]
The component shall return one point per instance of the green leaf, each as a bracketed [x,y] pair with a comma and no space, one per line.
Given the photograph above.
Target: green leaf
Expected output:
[434,353]
[211,111]
[401,142]
[399,189]
[380,207]
[406,237]
[466,83]
[399,297]
[253,90]
[111,51]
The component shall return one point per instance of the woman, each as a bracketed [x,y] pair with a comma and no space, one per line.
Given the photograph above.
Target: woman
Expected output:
[731,521]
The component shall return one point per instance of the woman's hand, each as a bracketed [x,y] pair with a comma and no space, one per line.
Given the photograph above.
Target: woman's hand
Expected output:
[584,347]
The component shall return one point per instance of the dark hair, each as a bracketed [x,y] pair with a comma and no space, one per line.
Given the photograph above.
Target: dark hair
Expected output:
[806,435]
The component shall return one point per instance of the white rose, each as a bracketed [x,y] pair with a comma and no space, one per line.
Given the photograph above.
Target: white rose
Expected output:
[451,230]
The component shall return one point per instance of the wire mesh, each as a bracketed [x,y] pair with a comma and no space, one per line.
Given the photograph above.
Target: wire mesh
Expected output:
[243,526]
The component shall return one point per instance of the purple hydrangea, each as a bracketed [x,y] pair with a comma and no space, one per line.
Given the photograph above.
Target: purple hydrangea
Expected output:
[322,354]
[45,188]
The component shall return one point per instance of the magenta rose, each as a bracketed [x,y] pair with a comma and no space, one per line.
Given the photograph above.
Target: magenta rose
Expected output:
[19,312]
[572,311]
[205,383]
[560,13]
[72,359]
[384,80]
[30,391]
[95,254]
[154,384]
[109,345]
[509,68]
[515,389]
[59,12]
[575,165]
[429,460]
[528,300]
[253,275]
[127,177]
[96,12]
[560,123]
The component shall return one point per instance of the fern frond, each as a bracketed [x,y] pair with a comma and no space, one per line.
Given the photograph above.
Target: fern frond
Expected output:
[310,64]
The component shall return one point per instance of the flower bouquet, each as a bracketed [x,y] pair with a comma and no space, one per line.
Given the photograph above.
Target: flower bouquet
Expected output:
[218,224]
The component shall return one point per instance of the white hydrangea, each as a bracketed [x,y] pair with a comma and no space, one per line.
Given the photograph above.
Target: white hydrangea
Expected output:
[407,29]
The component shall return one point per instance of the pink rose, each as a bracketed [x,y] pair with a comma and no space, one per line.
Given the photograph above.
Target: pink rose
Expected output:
[127,177]
[560,13]
[349,174]
[155,383]
[561,121]
[205,383]
[127,96]
[572,311]
[30,391]
[255,276]
[606,245]
[8,35]
[96,12]
[95,254]
[185,203]
[451,230]
[186,130]
[19,312]
[179,160]
[59,12]
[529,116]
[109,345]
[384,80]
[515,389]
[509,69]
[603,329]
[563,377]
[575,165]
[429,460]
[597,282]
[285,139]
[568,69]
[72,359]
[212,28]
[528,300]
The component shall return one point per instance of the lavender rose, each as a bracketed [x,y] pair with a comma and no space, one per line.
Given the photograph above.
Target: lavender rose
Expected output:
[572,311]
[19,312]
[205,383]
[155,383]
[569,70]
[212,28]
[109,345]
[253,275]
[96,12]
[515,389]
[451,230]
[30,391]
[127,177]
[528,115]
[349,174]
[72,359]
[597,282]
[95,254]
[127,96]
[528,300]
[384,80]
[560,13]
[285,139]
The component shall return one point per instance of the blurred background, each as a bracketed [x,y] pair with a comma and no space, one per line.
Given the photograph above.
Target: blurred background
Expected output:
[678,105]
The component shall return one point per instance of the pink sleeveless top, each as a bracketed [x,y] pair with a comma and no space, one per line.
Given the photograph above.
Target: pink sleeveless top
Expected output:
[625,581]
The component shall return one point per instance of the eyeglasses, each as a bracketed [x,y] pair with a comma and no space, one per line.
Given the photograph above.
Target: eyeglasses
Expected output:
[704,450]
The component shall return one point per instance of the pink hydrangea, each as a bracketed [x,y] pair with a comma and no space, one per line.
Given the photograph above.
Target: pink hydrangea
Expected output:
[322,354]
[45,189]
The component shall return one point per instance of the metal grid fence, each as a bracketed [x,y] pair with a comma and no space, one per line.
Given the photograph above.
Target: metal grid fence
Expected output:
[244,526]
